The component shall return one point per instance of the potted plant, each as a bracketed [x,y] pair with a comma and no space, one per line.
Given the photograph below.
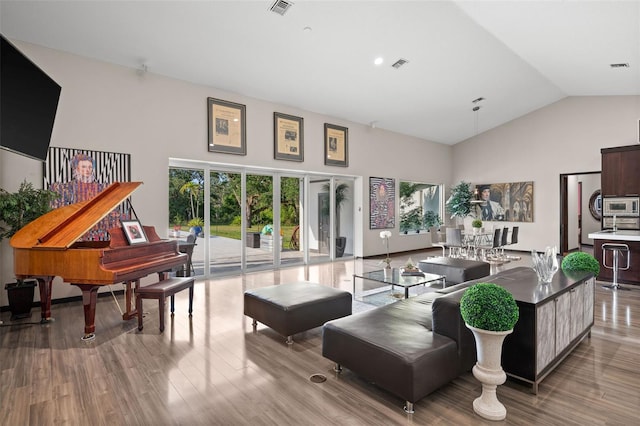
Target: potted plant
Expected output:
[476,224]
[16,210]
[385,235]
[342,189]
[459,202]
[195,225]
[580,261]
[177,225]
[490,312]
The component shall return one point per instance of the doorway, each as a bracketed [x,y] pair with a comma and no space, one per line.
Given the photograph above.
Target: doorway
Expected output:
[576,218]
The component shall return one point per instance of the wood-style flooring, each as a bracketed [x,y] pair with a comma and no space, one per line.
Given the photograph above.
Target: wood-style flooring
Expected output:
[215,370]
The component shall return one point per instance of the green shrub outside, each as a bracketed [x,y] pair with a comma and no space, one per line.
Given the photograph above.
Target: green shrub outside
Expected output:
[580,261]
[488,306]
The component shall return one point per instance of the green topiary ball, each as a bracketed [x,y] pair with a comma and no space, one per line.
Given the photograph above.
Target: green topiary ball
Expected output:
[580,261]
[489,307]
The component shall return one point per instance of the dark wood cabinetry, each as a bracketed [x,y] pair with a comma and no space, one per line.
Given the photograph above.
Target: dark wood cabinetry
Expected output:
[621,171]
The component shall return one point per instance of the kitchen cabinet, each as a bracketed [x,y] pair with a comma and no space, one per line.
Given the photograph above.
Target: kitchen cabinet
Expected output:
[620,171]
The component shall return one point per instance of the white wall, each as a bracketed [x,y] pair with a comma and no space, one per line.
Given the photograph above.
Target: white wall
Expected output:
[565,137]
[111,108]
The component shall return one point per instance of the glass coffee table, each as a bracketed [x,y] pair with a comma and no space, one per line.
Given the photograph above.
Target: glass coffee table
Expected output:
[396,278]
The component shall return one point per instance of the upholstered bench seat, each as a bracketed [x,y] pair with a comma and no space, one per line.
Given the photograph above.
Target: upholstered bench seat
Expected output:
[296,307]
[160,291]
[455,270]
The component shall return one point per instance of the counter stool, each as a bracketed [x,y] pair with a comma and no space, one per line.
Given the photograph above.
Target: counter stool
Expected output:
[616,250]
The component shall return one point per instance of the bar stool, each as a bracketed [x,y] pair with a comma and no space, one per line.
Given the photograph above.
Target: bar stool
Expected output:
[616,251]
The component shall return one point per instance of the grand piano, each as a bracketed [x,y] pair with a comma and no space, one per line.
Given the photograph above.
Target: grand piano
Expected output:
[51,246]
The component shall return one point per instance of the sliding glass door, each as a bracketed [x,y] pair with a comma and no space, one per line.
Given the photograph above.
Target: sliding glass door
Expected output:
[250,220]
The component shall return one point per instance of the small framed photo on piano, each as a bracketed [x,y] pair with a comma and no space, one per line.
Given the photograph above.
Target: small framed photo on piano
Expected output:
[134,232]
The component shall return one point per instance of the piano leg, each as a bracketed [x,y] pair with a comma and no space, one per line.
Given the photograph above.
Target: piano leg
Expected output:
[130,303]
[89,299]
[44,285]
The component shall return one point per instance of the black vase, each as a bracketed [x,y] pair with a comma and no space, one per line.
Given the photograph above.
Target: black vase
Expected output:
[20,298]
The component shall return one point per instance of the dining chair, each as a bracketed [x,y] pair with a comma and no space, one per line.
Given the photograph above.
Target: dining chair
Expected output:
[493,247]
[514,240]
[454,242]
[514,235]
[187,248]
[503,242]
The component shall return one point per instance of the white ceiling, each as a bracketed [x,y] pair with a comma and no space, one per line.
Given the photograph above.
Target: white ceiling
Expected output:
[519,56]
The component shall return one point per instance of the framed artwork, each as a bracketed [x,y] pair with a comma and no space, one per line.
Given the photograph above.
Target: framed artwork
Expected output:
[382,203]
[336,145]
[507,202]
[134,232]
[81,174]
[227,127]
[288,137]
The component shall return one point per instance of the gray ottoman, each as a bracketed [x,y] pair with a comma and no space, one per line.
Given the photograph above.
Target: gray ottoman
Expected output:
[293,308]
[455,270]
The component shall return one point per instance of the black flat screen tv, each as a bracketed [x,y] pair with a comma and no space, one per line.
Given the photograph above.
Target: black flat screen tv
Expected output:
[28,104]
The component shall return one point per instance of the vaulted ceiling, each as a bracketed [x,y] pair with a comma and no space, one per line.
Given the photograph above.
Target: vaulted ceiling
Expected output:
[319,55]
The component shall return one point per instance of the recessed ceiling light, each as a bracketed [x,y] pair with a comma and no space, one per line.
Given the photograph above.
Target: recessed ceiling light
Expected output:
[379,60]
[621,65]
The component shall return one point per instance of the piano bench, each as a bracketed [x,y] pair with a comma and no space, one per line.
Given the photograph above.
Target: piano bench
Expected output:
[160,291]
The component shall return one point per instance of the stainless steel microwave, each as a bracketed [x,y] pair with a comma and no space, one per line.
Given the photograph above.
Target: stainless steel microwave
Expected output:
[621,206]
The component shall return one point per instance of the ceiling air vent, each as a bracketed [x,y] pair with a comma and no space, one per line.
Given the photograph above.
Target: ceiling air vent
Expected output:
[400,62]
[280,7]
[619,65]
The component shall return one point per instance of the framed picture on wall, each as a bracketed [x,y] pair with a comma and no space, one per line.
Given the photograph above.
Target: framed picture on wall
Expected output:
[227,127]
[336,145]
[78,175]
[382,203]
[288,137]
[506,202]
[134,232]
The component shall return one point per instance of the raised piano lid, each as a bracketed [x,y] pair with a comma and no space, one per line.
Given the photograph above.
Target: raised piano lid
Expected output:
[62,227]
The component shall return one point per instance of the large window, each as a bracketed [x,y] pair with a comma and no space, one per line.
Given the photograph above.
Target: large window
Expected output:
[420,206]
[255,219]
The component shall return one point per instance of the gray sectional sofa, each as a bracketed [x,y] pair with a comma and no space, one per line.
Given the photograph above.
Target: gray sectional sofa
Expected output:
[410,348]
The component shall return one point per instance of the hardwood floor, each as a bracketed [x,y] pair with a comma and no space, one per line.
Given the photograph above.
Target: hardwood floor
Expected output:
[215,370]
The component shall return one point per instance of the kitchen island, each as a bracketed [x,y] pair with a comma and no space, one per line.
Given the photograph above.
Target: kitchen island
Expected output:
[628,237]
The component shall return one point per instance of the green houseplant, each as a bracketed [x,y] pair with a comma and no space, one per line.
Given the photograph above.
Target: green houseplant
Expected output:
[476,223]
[16,210]
[459,202]
[341,194]
[490,312]
[431,218]
[580,261]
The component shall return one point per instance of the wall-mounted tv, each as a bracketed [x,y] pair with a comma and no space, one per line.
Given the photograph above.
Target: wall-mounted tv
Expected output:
[28,104]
